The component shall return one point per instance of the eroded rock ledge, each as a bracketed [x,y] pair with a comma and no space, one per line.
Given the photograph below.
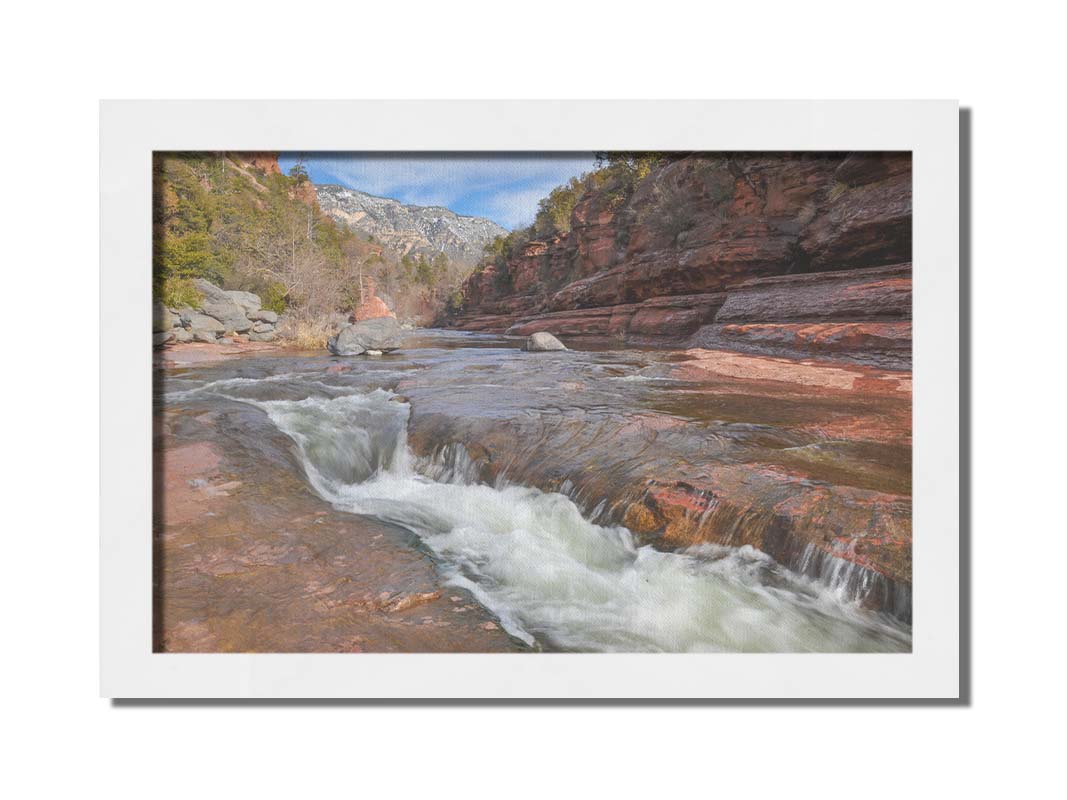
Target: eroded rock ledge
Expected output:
[808,462]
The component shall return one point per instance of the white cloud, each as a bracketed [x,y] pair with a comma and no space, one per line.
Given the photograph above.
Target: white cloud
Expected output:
[517,207]
[503,188]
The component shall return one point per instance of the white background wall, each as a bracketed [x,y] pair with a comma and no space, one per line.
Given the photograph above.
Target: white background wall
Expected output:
[999,61]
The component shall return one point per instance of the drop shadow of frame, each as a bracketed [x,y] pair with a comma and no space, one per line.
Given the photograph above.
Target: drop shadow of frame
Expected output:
[965,698]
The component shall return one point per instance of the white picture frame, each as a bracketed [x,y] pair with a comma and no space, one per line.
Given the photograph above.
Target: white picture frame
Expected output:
[130,131]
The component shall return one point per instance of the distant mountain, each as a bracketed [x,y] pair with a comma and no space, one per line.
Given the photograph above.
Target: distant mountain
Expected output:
[409,229]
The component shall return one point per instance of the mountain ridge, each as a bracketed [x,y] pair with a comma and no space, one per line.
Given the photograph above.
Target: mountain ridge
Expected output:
[408,228]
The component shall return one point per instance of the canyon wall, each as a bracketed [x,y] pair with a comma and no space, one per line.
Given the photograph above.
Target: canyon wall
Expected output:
[791,254]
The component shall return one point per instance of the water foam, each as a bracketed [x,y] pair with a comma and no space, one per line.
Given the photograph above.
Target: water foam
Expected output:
[551,576]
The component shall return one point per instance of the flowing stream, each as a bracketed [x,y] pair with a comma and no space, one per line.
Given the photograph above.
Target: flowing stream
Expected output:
[552,576]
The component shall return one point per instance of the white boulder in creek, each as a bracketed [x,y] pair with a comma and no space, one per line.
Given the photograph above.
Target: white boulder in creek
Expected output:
[381,334]
[542,341]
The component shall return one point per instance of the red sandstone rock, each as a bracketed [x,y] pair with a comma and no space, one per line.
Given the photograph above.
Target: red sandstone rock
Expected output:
[671,319]
[828,335]
[372,306]
[886,344]
[266,161]
[862,294]
[799,523]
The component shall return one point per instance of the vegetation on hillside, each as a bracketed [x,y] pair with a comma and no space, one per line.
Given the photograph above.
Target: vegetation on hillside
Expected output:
[217,217]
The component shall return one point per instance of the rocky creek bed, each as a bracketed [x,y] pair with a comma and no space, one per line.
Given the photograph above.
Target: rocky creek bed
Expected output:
[461,494]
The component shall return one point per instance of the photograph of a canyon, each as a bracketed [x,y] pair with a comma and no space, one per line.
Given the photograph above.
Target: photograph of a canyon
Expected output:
[532,402]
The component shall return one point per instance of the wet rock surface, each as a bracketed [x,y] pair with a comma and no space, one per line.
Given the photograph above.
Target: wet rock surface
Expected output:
[703,446]
[248,559]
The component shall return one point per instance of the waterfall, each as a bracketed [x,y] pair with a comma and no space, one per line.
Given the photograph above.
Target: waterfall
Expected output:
[553,577]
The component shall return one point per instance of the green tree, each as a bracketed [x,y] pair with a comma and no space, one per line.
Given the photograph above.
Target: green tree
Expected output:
[554,212]
[424,271]
[407,269]
[440,267]
[298,172]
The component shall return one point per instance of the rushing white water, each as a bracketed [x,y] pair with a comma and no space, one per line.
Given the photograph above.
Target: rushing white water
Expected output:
[552,577]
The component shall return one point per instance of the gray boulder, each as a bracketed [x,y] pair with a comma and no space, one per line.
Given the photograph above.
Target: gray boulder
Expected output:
[269,336]
[262,327]
[201,335]
[182,335]
[211,293]
[231,315]
[263,315]
[249,302]
[542,341]
[194,320]
[382,333]
[161,338]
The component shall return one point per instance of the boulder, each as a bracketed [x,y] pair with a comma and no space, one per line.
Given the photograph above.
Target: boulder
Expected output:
[541,341]
[195,321]
[381,333]
[210,292]
[262,315]
[262,327]
[231,315]
[202,335]
[161,338]
[182,335]
[269,336]
[249,302]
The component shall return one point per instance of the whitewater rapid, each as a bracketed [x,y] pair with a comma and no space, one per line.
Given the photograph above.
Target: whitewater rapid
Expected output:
[554,578]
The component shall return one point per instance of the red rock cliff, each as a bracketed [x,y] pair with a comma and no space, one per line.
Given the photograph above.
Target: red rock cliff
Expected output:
[663,265]
[265,162]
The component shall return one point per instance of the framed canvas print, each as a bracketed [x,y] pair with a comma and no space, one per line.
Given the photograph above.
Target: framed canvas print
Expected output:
[530,399]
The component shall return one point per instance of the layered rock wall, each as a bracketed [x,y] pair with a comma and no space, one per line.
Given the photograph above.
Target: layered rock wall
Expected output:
[689,248]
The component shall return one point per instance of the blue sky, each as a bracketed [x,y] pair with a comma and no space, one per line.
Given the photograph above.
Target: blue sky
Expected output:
[502,187]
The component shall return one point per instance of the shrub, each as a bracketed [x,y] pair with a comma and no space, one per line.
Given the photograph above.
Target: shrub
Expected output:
[554,212]
[620,173]
[308,334]
[672,210]
[179,293]
[454,303]
[837,190]
[274,298]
